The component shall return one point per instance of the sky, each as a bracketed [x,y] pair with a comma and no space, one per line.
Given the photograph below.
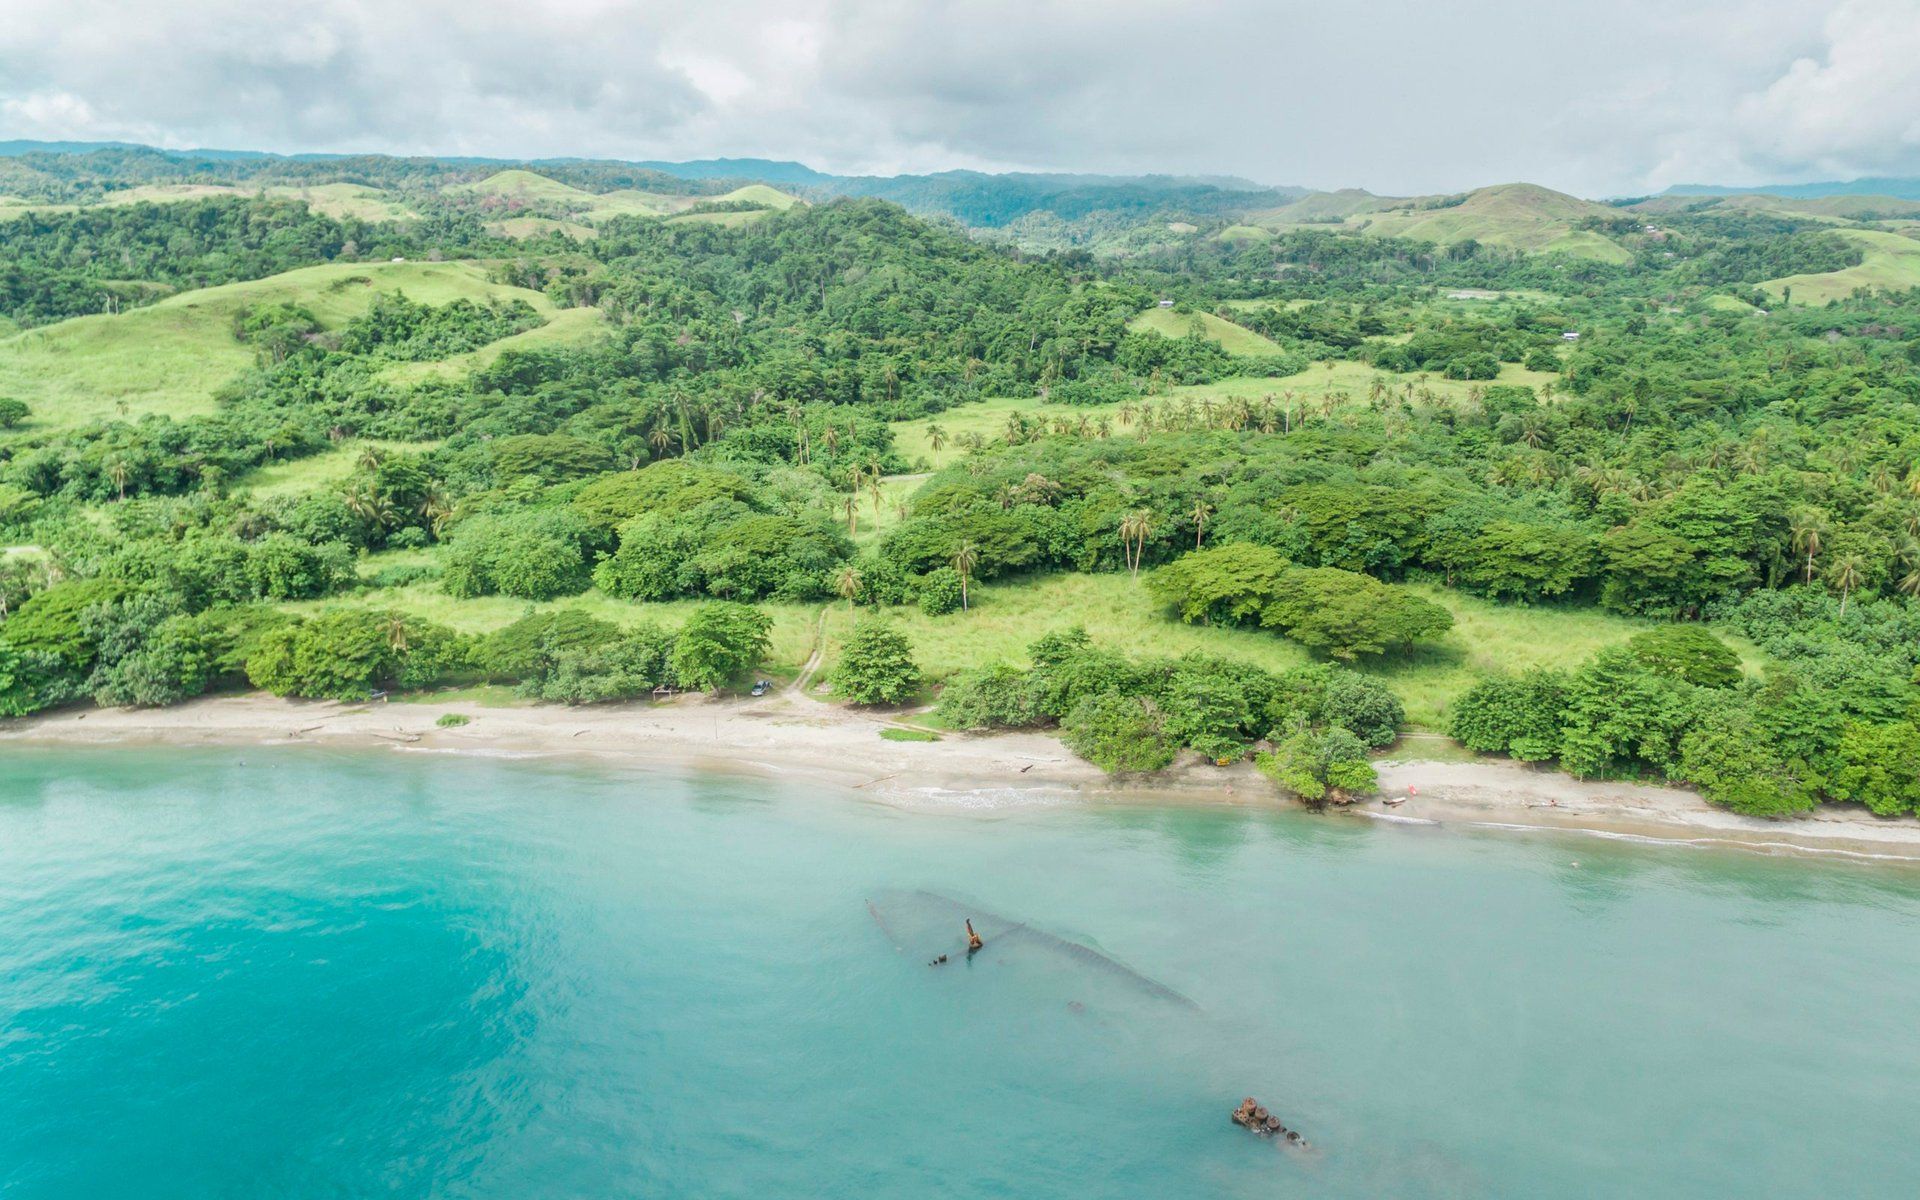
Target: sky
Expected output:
[1597,97]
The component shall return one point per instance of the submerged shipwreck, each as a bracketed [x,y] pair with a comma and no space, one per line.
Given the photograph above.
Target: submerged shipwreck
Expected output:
[918,915]
[1254,1116]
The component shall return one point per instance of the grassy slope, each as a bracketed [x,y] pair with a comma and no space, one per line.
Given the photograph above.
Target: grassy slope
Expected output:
[1234,339]
[1892,261]
[564,326]
[1322,208]
[318,470]
[1115,609]
[1522,216]
[988,417]
[172,356]
[339,200]
[587,208]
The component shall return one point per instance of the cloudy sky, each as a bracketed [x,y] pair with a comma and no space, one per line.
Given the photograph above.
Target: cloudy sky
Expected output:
[1594,96]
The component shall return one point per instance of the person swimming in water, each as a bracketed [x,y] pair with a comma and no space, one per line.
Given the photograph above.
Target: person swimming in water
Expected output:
[973,940]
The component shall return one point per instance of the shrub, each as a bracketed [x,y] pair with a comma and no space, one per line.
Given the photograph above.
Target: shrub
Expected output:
[629,665]
[719,643]
[536,555]
[1730,759]
[940,592]
[992,697]
[453,720]
[876,665]
[1364,706]
[283,567]
[345,653]
[1688,653]
[1117,733]
[1320,768]
[515,652]
[12,412]
[1226,584]
[1514,715]
[1348,614]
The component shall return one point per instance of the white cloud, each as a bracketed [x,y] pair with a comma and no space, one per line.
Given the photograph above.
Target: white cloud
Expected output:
[1853,108]
[1398,95]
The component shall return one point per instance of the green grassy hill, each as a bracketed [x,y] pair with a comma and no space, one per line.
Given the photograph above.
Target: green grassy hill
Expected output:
[1892,262]
[1521,216]
[1234,339]
[172,356]
[1322,208]
[337,200]
[1826,208]
[547,205]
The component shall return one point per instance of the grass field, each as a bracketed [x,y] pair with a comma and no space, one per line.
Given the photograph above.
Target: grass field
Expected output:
[338,200]
[564,326]
[1116,610]
[1892,261]
[520,228]
[576,210]
[795,626]
[1234,339]
[317,470]
[172,356]
[1522,216]
[988,417]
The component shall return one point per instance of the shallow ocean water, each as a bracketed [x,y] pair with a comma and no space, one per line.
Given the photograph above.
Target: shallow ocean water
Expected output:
[300,973]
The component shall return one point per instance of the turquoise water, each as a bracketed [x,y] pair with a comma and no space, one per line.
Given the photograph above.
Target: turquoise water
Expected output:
[312,974]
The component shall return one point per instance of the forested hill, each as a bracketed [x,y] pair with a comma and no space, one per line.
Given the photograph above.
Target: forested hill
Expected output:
[1651,515]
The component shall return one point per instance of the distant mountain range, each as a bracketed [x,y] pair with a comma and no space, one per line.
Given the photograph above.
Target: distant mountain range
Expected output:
[1899,187]
[973,197]
[1108,214]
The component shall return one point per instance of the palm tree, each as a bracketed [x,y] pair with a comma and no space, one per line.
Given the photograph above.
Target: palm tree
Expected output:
[396,631]
[1909,583]
[965,559]
[1201,511]
[117,471]
[852,506]
[1135,528]
[1808,530]
[370,459]
[846,581]
[936,438]
[1846,573]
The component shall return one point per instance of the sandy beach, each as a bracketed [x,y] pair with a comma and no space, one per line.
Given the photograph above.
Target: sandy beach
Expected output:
[791,735]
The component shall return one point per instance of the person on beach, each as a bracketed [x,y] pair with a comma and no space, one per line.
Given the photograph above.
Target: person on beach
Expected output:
[973,940]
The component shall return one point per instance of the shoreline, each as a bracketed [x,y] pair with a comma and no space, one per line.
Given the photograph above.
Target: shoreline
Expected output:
[788,735]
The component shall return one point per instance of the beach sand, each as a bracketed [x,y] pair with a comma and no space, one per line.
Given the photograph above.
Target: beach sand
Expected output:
[791,735]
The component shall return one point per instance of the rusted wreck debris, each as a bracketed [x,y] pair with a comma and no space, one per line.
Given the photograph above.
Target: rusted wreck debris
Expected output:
[1253,1115]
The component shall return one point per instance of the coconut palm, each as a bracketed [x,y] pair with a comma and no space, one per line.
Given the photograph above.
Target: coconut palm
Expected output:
[1844,574]
[852,505]
[1201,511]
[936,438]
[1909,582]
[965,559]
[1807,530]
[846,581]
[117,472]
[1135,528]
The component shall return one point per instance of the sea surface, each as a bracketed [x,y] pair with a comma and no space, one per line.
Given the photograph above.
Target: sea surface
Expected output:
[296,973]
